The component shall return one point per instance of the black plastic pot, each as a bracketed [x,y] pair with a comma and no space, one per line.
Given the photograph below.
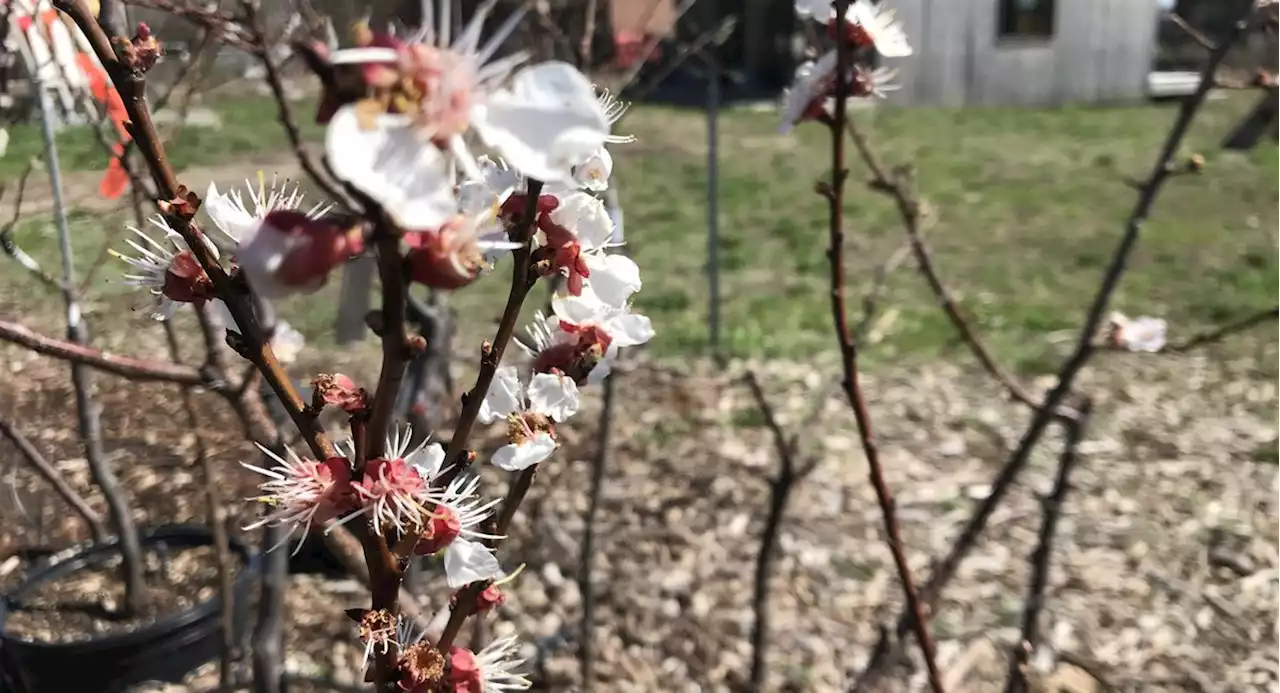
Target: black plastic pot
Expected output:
[163,651]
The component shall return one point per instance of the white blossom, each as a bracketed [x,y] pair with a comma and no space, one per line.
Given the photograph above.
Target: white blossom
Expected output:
[237,220]
[613,277]
[547,395]
[593,174]
[545,123]
[880,25]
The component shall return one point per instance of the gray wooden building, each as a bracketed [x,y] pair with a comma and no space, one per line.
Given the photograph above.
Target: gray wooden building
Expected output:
[1025,52]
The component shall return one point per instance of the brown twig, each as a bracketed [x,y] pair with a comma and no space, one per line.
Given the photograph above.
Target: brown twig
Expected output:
[138,186]
[123,366]
[188,95]
[834,193]
[586,586]
[900,186]
[228,27]
[1220,333]
[780,488]
[217,524]
[395,340]
[384,571]
[491,354]
[945,569]
[871,299]
[467,596]
[588,32]
[1052,509]
[92,520]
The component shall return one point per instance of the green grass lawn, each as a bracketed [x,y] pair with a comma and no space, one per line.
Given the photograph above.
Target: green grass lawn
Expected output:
[1025,208]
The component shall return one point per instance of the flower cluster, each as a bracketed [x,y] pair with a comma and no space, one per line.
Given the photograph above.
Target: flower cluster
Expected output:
[398,493]
[405,117]
[421,668]
[865,25]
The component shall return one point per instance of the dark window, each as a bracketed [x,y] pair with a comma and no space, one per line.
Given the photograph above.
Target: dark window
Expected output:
[1026,18]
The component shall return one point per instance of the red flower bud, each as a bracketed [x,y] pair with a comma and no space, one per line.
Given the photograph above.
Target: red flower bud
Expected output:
[185,281]
[490,597]
[441,530]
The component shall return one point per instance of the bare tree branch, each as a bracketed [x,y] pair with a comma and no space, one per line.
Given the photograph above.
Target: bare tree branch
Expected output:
[123,366]
[1052,507]
[1163,168]
[834,192]
[49,473]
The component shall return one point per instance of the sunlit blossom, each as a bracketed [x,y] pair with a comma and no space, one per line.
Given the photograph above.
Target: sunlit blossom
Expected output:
[302,492]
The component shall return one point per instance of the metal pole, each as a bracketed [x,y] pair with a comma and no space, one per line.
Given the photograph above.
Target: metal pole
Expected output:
[713,212]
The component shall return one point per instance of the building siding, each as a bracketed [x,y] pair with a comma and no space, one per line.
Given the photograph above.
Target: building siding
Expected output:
[1101,51]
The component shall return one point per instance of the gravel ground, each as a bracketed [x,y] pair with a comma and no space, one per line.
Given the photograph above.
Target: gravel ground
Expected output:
[1164,574]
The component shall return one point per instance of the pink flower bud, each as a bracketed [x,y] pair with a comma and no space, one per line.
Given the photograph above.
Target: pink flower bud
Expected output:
[489,598]
[440,531]
[464,675]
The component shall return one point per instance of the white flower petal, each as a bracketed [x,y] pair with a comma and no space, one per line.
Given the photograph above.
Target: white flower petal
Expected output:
[286,342]
[809,79]
[548,121]
[604,366]
[367,54]
[541,143]
[879,22]
[580,310]
[229,216]
[593,174]
[504,396]
[514,458]
[388,162]
[260,257]
[553,395]
[613,278]
[467,561]
[817,9]
[587,217]
[629,329]
[427,460]
[1145,334]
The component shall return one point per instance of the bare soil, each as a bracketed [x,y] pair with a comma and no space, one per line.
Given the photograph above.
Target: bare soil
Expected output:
[1164,574]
